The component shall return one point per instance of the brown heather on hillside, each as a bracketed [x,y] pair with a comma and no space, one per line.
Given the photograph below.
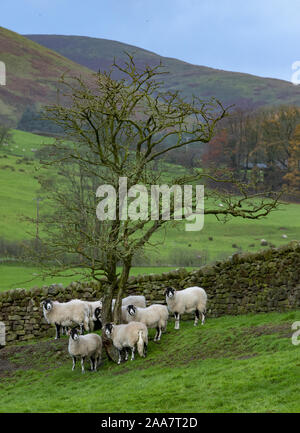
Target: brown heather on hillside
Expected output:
[32,74]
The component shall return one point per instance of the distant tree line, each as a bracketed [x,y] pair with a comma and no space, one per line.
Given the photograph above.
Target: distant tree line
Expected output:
[262,147]
[259,146]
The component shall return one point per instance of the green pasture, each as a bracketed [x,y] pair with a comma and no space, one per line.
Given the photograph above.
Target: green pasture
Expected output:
[231,364]
[17,275]
[174,246]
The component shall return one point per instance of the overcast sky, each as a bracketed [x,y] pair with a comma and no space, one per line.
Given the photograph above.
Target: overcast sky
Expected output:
[260,37]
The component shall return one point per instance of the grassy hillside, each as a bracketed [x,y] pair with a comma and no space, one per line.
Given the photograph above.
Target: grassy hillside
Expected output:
[229,87]
[231,364]
[32,74]
[19,186]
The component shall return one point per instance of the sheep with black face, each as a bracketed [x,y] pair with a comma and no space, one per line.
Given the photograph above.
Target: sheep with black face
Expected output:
[192,299]
[97,321]
[83,346]
[93,320]
[128,336]
[154,316]
[66,314]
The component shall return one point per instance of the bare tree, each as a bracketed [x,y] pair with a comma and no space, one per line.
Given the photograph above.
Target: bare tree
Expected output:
[117,129]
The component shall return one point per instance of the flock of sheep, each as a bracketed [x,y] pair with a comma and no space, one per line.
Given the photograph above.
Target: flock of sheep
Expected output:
[132,334]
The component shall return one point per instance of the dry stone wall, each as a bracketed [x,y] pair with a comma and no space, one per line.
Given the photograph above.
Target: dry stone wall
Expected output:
[245,283]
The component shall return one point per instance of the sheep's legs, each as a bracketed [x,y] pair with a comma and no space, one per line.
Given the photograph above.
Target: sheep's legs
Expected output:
[93,363]
[82,363]
[177,318]
[81,329]
[126,354]
[119,360]
[158,334]
[132,353]
[203,318]
[74,362]
[57,331]
[196,317]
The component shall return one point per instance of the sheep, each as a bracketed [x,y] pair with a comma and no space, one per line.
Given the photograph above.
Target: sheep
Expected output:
[85,345]
[64,314]
[96,323]
[136,300]
[186,301]
[154,316]
[93,305]
[127,336]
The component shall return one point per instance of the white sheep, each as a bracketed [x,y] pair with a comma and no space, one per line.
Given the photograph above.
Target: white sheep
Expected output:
[96,312]
[154,316]
[127,336]
[83,346]
[94,321]
[186,301]
[63,314]
[136,300]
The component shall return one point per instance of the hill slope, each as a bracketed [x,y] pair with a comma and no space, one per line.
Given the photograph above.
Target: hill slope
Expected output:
[32,73]
[229,87]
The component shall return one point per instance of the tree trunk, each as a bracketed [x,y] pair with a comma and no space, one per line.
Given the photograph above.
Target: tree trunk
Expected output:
[106,316]
[117,316]
[111,351]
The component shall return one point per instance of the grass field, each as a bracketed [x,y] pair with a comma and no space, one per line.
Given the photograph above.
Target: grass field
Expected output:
[13,276]
[231,364]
